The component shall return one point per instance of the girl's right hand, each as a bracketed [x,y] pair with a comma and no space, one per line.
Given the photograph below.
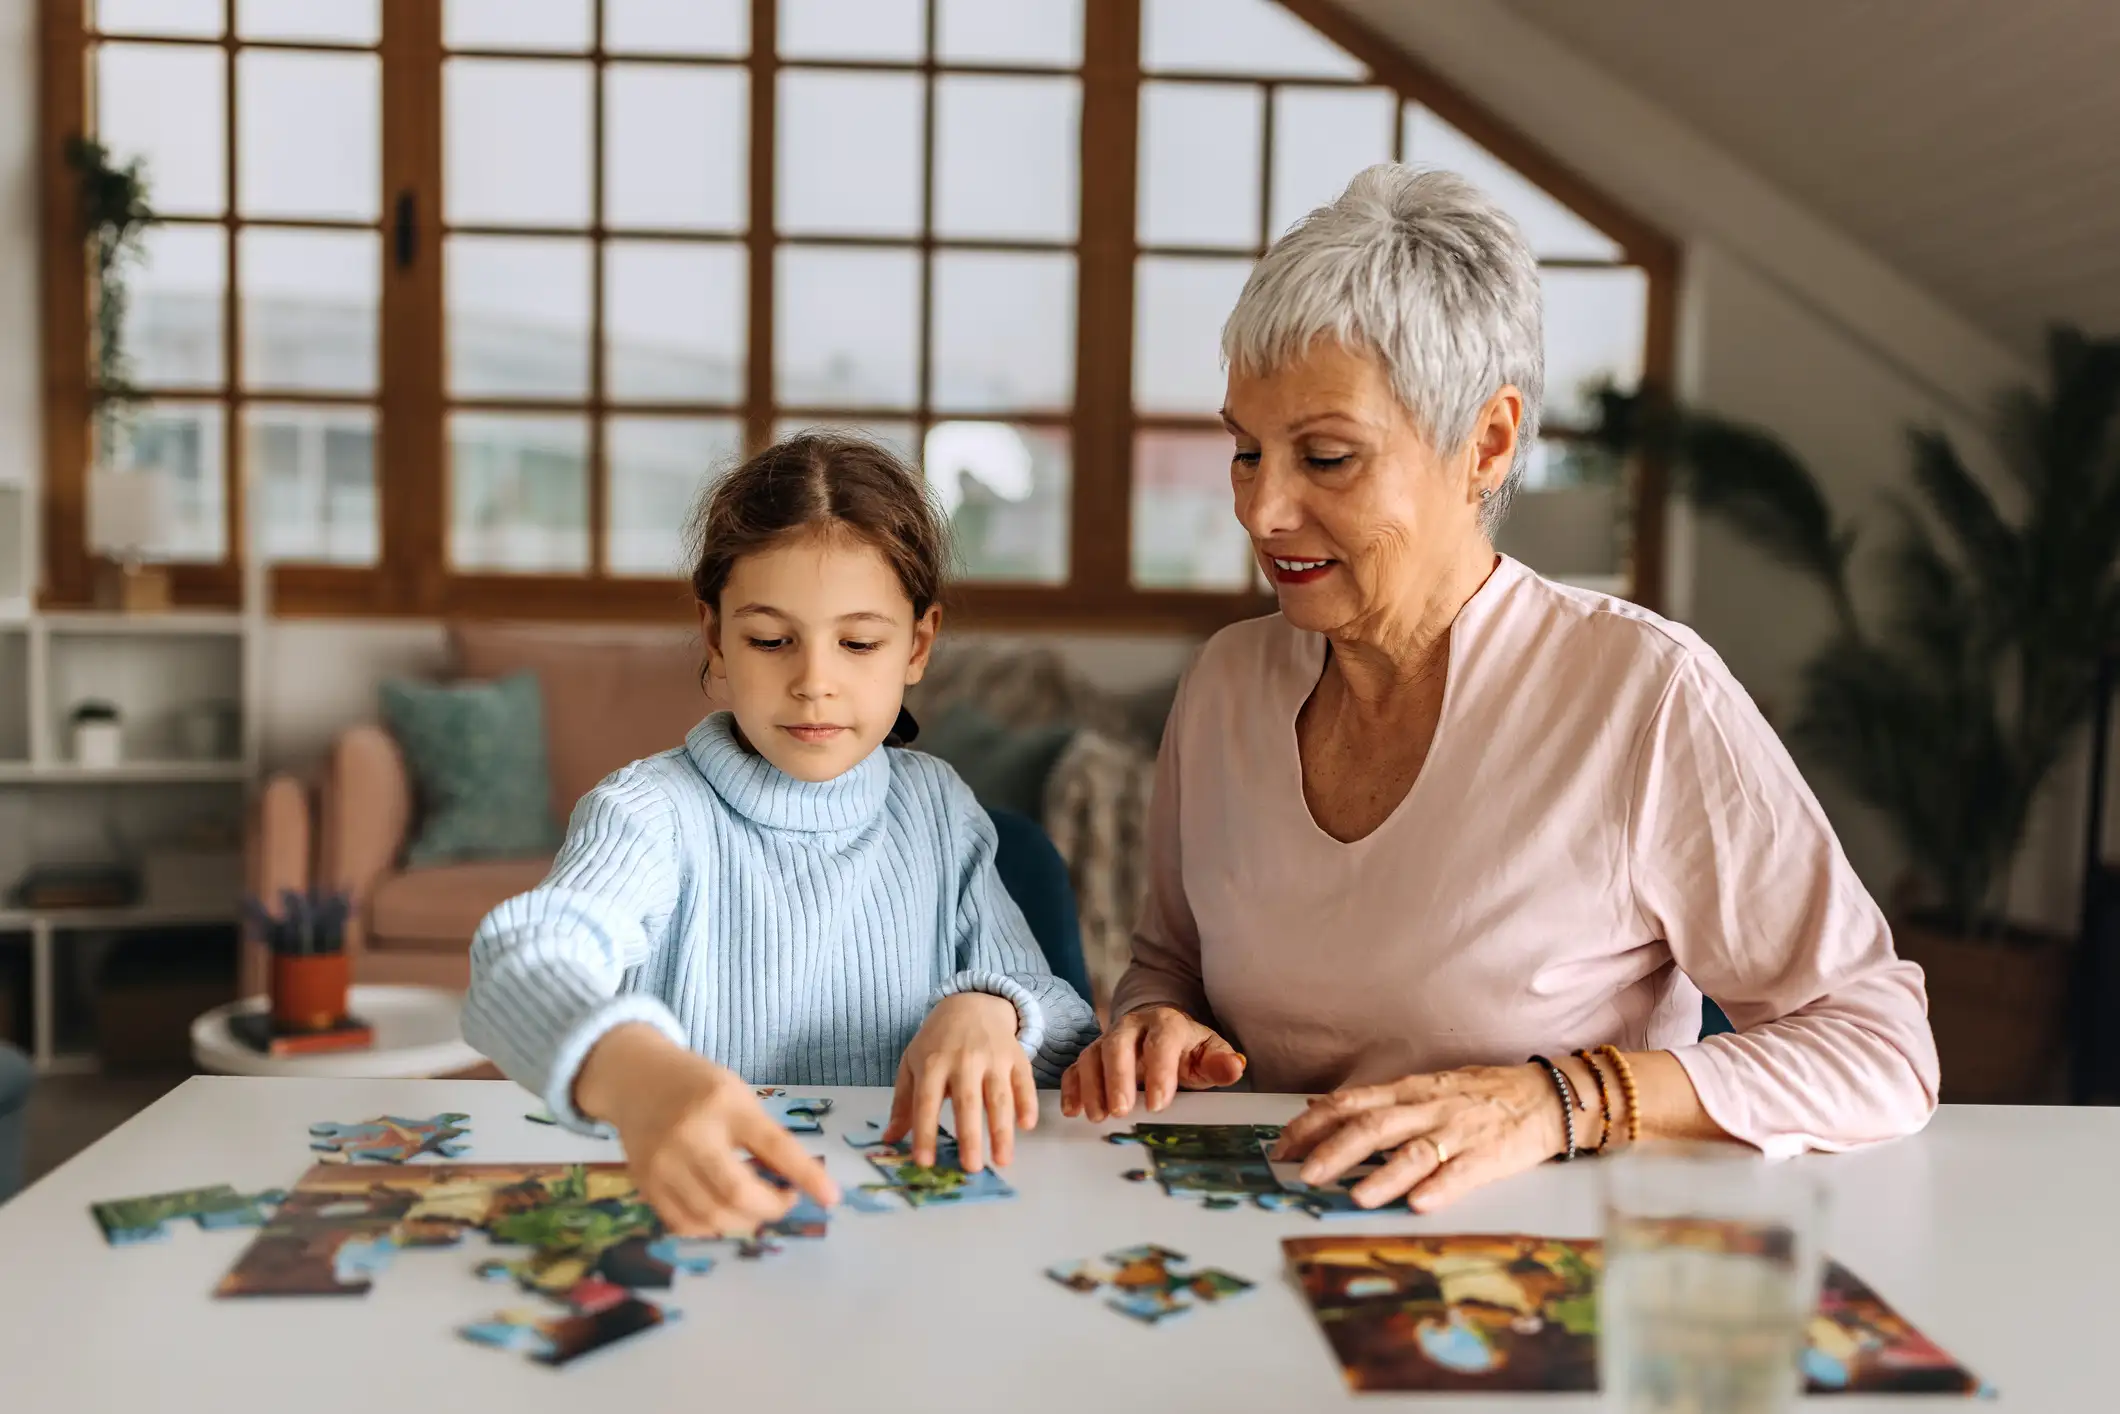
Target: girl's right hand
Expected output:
[684,1121]
[1161,1049]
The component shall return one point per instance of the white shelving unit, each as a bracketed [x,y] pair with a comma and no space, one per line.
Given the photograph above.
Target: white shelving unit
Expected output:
[150,666]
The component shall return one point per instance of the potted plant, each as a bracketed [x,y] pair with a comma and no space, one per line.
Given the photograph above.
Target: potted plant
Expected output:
[114,218]
[1948,711]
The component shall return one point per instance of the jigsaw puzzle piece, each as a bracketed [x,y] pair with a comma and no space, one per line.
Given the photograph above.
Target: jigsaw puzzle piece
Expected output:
[797,1114]
[561,1337]
[682,1254]
[1148,1283]
[389,1139]
[868,1198]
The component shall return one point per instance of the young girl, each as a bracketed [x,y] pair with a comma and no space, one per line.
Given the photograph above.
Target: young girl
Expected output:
[787,898]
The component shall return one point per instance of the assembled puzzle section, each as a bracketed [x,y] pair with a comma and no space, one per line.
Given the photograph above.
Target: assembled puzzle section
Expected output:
[942,1183]
[1226,1166]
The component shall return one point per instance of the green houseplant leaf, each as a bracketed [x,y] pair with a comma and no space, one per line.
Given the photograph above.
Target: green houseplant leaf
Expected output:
[1950,716]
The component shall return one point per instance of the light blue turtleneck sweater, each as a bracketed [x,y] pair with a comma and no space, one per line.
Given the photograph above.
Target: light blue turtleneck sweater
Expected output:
[797,932]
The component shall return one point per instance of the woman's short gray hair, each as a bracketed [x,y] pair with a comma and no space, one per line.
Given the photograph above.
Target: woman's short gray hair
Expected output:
[1424,270]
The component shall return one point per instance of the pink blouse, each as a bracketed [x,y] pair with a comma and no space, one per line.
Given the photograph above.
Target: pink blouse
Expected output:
[1604,826]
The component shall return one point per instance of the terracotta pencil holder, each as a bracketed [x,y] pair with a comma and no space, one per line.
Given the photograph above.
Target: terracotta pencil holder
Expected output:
[309,992]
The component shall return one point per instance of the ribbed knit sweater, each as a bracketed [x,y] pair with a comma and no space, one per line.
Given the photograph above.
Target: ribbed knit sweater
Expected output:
[796,932]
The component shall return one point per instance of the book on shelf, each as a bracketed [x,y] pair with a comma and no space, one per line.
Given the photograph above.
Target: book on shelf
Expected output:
[255,1030]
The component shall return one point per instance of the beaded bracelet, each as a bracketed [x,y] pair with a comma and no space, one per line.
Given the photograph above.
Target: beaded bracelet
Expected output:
[1604,1101]
[1567,1094]
[1627,1091]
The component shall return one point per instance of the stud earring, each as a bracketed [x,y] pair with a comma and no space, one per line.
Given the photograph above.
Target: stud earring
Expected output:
[1486,493]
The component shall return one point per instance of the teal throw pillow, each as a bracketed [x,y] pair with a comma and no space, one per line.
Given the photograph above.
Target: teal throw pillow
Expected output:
[1006,767]
[476,752]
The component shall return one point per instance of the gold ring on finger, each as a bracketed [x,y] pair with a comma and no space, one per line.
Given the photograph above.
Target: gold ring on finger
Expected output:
[1442,1155]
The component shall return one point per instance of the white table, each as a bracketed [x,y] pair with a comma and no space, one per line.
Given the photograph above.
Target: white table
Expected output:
[1993,1231]
[418,1034]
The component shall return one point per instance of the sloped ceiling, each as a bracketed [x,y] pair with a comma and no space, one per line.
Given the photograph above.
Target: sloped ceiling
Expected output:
[1973,143]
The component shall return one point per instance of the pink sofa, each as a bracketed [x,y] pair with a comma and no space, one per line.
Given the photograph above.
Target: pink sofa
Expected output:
[607,702]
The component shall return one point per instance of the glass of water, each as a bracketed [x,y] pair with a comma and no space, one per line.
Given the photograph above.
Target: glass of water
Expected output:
[1712,1266]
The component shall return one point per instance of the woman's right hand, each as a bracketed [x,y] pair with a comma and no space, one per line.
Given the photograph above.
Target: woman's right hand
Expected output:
[1157,1048]
[684,1121]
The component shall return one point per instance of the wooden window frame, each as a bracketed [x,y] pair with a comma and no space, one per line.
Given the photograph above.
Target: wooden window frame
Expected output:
[412,576]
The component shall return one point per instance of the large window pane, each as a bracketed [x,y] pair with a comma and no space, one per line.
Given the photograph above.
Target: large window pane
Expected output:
[310,309]
[309,134]
[519,492]
[674,322]
[1321,138]
[1186,534]
[171,17]
[1003,331]
[1010,32]
[1007,151]
[901,438]
[174,330]
[518,24]
[1179,307]
[677,26]
[1237,37]
[517,142]
[657,467]
[853,29]
[1555,232]
[169,106]
[315,469]
[849,153]
[518,317]
[1005,489]
[332,21]
[183,444]
[676,147]
[1596,326]
[846,328]
[1200,164]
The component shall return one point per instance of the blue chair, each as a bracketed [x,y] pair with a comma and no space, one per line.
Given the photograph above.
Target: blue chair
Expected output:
[1036,878]
[16,1078]
[1712,1020]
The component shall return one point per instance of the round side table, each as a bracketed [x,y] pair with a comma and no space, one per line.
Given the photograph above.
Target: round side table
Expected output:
[417,1035]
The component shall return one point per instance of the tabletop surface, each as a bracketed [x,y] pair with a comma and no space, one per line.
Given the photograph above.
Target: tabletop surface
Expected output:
[1993,1231]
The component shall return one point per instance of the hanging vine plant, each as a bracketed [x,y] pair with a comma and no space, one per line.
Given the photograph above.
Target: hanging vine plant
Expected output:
[115,216]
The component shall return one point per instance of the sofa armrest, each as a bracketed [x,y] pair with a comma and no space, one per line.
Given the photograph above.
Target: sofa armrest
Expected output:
[278,858]
[364,808]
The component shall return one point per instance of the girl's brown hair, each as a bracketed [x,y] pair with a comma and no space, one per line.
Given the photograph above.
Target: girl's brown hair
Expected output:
[822,481]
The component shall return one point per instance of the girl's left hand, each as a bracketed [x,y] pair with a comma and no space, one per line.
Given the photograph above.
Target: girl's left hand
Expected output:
[1448,1133]
[965,1052]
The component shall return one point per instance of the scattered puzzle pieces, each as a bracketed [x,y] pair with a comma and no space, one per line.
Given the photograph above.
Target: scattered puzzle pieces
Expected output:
[128,1220]
[1147,1282]
[389,1139]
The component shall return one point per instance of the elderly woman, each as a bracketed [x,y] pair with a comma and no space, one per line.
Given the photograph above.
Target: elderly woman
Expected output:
[1454,843]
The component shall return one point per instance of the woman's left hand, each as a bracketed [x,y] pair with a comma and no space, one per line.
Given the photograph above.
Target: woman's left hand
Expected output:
[1448,1133]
